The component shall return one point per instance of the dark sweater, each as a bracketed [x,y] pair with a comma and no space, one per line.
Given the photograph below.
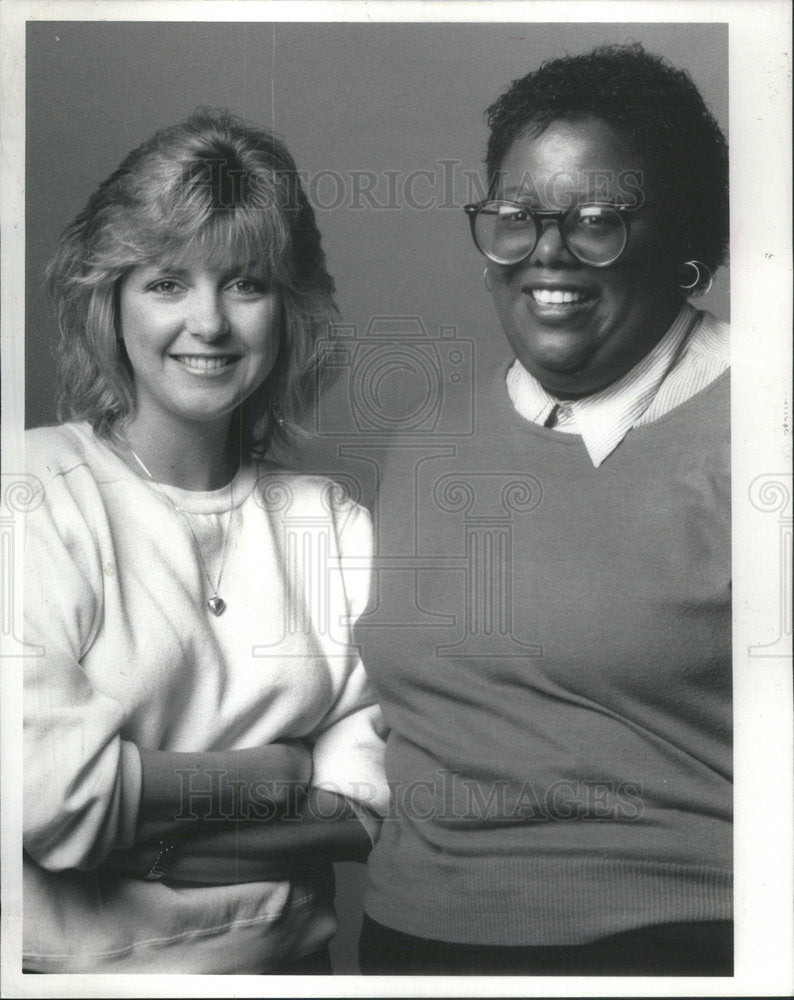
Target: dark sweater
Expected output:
[559,680]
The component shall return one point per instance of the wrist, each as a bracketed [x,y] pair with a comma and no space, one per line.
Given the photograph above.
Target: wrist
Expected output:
[163,861]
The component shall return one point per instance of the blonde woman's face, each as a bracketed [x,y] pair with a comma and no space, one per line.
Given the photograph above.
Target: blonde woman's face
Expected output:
[200,339]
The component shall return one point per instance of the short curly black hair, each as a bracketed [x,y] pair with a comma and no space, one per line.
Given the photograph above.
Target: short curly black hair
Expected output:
[653,106]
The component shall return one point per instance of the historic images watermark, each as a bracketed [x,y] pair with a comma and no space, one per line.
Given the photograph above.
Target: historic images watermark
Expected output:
[20,494]
[773,494]
[216,795]
[403,386]
[446,185]
[399,378]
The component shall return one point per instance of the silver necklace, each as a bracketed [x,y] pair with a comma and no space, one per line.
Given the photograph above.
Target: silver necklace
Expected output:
[216,603]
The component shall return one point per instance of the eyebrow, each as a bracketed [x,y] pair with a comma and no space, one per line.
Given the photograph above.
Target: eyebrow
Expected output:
[514,195]
[235,269]
[158,268]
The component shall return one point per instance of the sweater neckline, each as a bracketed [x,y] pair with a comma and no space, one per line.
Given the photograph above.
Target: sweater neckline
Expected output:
[228,497]
[498,385]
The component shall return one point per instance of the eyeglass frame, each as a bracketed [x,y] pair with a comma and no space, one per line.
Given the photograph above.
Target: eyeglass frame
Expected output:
[473,210]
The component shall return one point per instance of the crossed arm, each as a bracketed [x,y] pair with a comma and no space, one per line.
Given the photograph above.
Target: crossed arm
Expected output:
[89,788]
[254,819]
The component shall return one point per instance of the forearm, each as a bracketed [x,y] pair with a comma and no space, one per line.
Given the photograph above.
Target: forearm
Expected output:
[181,790]
[323,828]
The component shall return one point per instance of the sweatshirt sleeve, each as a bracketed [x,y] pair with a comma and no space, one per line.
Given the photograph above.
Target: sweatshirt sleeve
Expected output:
[82,781]
[350,743]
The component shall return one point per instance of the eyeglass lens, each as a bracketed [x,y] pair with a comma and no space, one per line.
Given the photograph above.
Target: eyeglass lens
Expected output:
[507,233]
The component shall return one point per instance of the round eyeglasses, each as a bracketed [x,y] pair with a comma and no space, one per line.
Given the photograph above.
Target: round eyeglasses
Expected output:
[507,232]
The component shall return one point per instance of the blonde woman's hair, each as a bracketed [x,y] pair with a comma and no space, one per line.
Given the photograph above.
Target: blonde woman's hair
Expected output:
[231,192]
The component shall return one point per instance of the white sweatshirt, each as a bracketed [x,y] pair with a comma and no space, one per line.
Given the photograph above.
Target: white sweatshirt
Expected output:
[116,597]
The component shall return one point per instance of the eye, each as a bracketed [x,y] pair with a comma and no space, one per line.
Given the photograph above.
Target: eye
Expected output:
[247,286]
[598,217]
[165,286]
[509,215]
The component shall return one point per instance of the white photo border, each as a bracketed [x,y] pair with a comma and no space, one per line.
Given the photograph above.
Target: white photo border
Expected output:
[761,282]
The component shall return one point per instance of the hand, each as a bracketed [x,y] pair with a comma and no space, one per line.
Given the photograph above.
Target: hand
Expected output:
[205,864]
[134,862]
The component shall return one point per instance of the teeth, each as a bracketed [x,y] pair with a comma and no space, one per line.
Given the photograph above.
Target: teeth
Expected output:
[556,297]
[198,364]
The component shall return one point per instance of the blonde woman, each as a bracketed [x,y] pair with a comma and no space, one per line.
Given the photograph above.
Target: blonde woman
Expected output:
[201,739]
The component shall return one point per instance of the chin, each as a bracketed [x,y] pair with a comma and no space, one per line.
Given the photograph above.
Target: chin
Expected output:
[564,376]
[565,364]
[563,367]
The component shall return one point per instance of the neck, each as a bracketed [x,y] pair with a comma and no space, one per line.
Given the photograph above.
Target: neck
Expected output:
[191,457]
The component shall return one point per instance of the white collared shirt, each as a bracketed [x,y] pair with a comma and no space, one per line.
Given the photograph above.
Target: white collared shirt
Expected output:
[693,352]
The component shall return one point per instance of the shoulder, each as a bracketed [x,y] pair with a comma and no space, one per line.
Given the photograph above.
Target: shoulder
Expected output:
[54,451]
[72,475]
[66,507]
[291,494]
[60,458]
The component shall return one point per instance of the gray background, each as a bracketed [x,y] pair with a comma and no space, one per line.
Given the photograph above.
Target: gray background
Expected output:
[346,98]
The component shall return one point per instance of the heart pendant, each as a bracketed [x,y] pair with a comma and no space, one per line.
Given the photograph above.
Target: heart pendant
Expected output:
[217,605]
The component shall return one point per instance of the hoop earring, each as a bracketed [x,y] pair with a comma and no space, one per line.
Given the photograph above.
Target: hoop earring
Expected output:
[485,278]
[703,276]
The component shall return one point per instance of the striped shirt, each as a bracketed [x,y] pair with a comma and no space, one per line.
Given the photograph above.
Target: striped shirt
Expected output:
[693,352]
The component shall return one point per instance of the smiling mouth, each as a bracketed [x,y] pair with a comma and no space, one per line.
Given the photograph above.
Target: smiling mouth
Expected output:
[200,363]
[559,296]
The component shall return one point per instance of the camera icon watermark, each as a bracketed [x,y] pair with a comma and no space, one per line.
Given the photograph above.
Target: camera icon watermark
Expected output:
[399,380]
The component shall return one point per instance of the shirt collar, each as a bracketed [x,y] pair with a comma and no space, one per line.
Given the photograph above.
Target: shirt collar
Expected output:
[604,418]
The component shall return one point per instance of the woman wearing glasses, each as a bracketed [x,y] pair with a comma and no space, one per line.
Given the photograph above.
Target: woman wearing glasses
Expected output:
[561,772]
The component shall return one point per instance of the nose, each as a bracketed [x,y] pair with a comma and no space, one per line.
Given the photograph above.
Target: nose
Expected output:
[206,318]
[550,250]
